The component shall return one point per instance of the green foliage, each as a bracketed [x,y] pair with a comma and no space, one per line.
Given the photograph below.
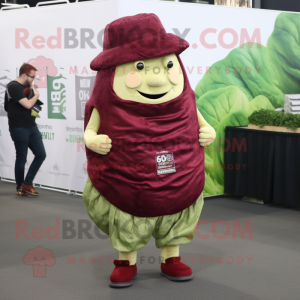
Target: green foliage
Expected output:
[248,69]
[283,50]
[217,104]
[260,102]
[266,117]
[249,79]
[223,107]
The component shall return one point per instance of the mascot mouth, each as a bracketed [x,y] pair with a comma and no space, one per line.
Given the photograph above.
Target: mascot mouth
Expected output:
[152,96]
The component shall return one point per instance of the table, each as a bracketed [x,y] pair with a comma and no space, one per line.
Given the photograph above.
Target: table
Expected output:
[266,166]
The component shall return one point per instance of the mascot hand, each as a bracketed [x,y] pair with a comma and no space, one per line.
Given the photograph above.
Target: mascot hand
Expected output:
[206,135]
[100,143]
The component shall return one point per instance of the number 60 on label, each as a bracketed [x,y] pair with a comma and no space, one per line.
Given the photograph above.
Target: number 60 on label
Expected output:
[161,158]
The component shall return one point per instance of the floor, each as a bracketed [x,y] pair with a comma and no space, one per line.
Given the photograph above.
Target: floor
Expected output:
[242,251]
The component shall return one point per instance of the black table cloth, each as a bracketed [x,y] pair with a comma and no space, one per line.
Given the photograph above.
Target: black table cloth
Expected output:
[266,167]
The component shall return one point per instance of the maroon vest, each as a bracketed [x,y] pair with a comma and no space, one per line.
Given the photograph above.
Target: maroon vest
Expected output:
[156,164]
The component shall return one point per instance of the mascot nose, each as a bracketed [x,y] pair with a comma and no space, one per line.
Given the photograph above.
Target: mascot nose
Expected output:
[157,80]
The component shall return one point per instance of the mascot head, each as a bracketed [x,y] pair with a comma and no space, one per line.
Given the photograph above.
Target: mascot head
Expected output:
[142,59]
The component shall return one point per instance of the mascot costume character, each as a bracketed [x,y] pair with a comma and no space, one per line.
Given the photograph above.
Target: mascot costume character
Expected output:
[144,141]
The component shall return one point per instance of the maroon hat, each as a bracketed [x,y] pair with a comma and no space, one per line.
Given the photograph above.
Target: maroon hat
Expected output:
[135,38]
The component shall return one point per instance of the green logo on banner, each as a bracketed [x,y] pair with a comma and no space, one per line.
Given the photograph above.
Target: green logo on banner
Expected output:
[56,97]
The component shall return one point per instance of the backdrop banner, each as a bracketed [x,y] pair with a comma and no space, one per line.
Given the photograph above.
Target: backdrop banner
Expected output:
[239,60]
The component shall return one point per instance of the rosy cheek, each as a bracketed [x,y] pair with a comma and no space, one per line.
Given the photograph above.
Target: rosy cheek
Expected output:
[175,75]
[133,80]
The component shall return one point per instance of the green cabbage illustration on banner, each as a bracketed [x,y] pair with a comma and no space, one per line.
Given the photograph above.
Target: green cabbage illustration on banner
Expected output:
[250,78]
[284,52]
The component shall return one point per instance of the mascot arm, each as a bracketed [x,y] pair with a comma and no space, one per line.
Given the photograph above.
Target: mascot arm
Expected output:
[207,134]
[99,143]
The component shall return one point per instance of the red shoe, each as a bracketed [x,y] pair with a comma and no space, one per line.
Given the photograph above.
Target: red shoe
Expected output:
[175,270]
[21,193]
[29,190]
[123,274]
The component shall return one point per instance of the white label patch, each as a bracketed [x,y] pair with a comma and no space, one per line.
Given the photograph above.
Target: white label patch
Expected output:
[165,162]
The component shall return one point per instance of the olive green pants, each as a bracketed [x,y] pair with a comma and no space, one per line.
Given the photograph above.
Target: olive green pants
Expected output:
[129,233]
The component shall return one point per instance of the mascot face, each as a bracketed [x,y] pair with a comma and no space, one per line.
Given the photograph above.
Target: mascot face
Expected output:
[151,81]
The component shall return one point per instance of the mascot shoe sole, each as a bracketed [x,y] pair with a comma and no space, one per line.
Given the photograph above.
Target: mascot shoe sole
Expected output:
[173,278]
[123,284]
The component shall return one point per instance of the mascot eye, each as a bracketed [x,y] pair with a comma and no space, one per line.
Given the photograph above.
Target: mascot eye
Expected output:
[170,64]
[139,65]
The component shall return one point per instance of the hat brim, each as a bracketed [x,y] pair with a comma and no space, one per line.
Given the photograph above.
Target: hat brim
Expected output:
[149,47]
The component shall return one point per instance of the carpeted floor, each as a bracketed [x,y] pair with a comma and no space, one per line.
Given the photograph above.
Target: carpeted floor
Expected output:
[260,263]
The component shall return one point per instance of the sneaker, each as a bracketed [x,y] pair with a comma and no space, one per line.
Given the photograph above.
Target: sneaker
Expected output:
[19,192]
[123,274]
[175,270]
[29,190]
